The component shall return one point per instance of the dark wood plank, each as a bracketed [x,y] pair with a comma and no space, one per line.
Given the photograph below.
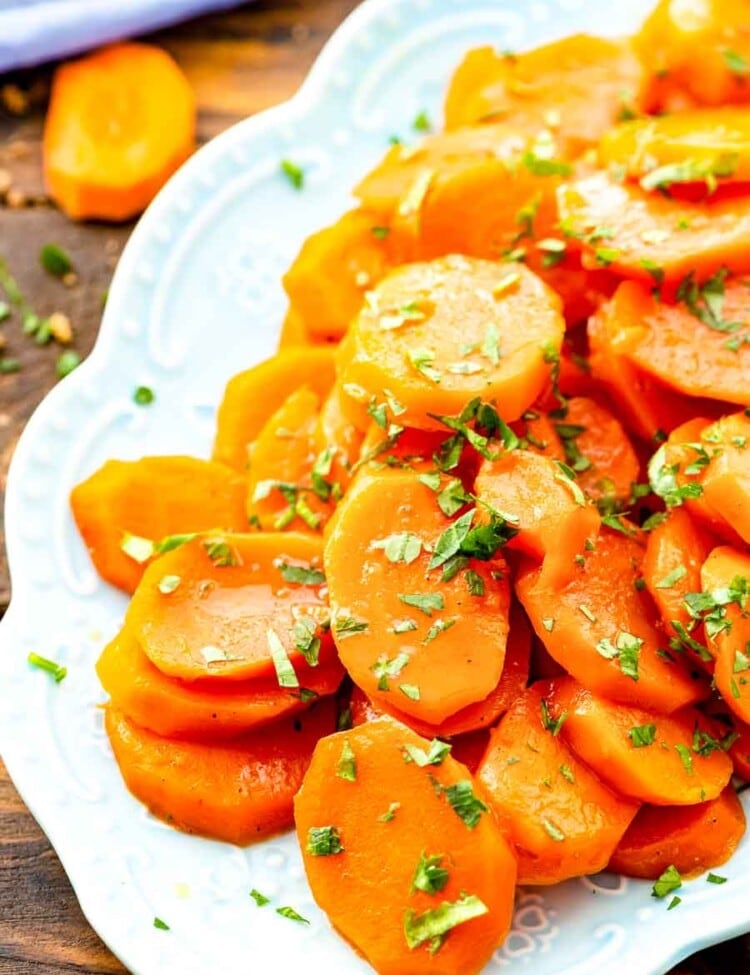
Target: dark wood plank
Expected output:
[239,63]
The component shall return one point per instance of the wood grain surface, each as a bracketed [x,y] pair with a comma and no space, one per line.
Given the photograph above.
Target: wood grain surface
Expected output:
[239,63]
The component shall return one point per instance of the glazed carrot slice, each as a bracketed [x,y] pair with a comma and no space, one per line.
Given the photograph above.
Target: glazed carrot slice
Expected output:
[576,87]
[641,235]
[120,121]
[703,47]
[696,345]
[725,578]
[562,820]
[327,282]
[125,506]
[691,839]
[239,791]
[281,490]
[604,631]
[474,717]
[666,760]
[251,397]
[675,551]
[206,710]
[338,438]
[725,479]
[441,898]
[710,145]
[539,497]
[242,606]
[599,451]
[414,643]
[436,335]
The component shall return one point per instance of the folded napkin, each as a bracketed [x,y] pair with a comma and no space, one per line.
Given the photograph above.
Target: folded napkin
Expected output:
[32,31]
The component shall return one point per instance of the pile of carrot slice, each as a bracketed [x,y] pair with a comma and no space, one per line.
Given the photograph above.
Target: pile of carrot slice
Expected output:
[465,590]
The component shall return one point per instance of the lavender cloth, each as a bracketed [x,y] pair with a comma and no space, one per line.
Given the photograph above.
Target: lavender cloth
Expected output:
[33,31]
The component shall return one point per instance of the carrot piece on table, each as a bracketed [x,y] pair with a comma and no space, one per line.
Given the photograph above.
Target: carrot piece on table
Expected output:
[576,87]
[696,345]
[327,282]
[604,631]
[251,397]
[646,235]
[666,760]
[238,791]
[675,551]
[562,820]
[691,839]
[436,335]
[402,853]
[725,578]
[725,479]
[233,607]
[206,710]
[539,497]
[704,47]
[120,121]
[125,506]
[703,145]
[419,602]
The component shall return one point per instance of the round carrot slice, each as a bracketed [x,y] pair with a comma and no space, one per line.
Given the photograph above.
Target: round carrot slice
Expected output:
[667,760]
[238,791]
[232,607]
[206,710]
[401,852]
[725,578]
[411,607]
[438,334]
[689,838]
[562,820]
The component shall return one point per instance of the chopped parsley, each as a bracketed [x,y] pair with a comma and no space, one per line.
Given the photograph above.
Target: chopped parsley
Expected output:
[43,663]
[691,171]
[66,362]
[55,260]
[161,925]
[422,360]
[667,884]
[324,841]
[554,832]
[685,757]
[422,122]
[345,626]
[260,899]
[437,753]
[220,552]
[301,575]
[429,876]
[143,396]
[289,912]
[306,640]
[425,602]
[736,63]
[433,926]
[294,173]
[383,668]
[553,725]
[410,690]
[438,627]
[168,584]
[390,814]
[642,735]
[714,878]
[672,577]
[400,547]
[285,674]
[347,765]
[466,805]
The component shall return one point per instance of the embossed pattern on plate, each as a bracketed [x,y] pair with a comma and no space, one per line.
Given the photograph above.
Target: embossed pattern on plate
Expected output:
[197,296]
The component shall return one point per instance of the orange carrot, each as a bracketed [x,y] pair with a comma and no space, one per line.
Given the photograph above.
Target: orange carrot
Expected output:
[725,479]
[125,506]
[120,121]
[661,759]
[735,735]
[435,335]
[413,644]
[725,579]
[537,433]
[232,607]
[239,791]
[251,397]
[562,820]
[412,450]
[441,897]
[689,838]
[336,435]
[206,710]
[604,631]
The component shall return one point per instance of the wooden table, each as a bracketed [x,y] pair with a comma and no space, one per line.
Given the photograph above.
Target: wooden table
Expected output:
[239,63]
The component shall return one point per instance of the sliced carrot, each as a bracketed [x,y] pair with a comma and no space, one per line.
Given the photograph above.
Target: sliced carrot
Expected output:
[436,335]
[126,505]
[282,491]
[336,436]
[241,607]
[725,578]
[327,282]
[691,839]
[666,760]
[120,121]
[293,332]
[415,643]
[562,820]
[676,549]
[239,791]
[539,497]
[691,346]
[576,87]
[700,145]
[645,235]
[726,478]
[604,631]
[736,735]
[441,897]
[599,451]
[252,396]
[704,47]
[206,710]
